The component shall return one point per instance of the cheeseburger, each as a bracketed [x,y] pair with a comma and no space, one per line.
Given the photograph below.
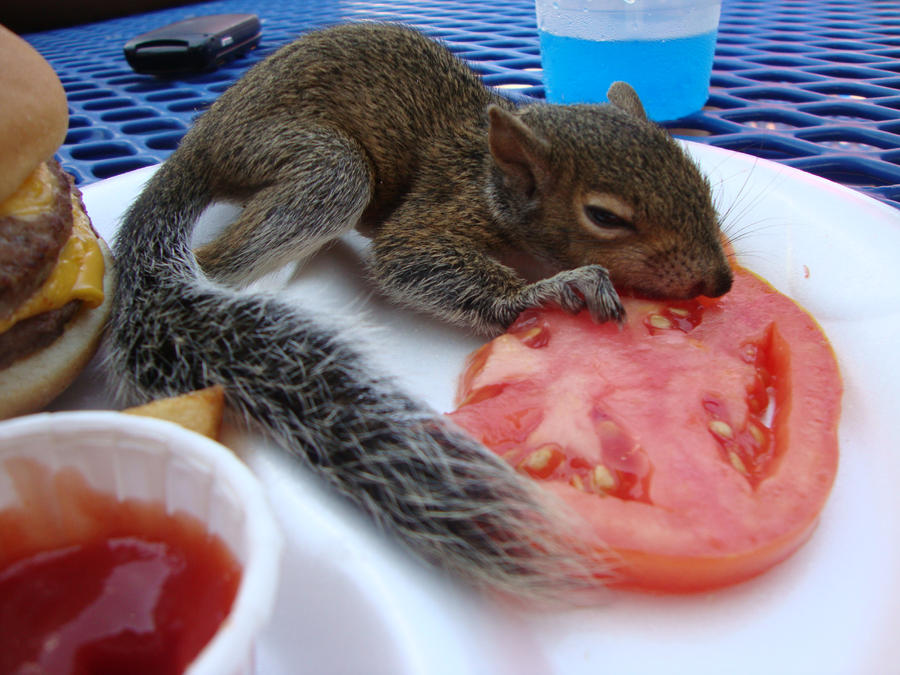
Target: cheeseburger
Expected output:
[55,272]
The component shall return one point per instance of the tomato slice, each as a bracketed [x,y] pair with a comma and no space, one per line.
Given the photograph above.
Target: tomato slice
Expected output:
[698,442]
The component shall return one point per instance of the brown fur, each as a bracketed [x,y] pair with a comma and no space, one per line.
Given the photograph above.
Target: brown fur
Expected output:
[376,127]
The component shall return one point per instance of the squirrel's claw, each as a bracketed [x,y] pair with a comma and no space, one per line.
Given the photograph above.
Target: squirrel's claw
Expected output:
[606,307]
[587,287]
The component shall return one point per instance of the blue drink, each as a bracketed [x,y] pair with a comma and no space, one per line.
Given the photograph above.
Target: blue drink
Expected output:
[671,75]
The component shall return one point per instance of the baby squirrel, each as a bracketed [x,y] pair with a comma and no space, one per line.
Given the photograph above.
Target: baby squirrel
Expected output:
[377,127]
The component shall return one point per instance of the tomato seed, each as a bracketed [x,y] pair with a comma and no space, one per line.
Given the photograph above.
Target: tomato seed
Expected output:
[601,479]
[536,338]
[737,463]
[684,319]
[721,429]
[543,461]
[759,436]
[539,458]
[659,322]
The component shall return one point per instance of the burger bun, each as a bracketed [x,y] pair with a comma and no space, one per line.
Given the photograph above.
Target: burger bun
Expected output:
[34,114]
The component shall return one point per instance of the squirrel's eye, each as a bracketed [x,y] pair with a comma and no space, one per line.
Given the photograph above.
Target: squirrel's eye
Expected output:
[606,219]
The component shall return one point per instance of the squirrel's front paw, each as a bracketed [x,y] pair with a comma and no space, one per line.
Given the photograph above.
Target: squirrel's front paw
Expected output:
[583,287]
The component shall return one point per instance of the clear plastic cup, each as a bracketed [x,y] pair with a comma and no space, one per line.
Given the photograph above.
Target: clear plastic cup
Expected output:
[662,48]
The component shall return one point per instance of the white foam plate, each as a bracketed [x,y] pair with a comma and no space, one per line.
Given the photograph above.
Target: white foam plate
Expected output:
[351,603]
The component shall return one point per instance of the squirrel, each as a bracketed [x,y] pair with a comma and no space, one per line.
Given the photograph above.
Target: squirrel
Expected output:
[378,127]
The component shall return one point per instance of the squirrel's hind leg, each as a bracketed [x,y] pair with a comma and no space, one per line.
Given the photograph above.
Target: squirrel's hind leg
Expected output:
[315,197]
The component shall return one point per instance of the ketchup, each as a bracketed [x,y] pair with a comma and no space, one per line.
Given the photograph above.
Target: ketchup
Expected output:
[139,591]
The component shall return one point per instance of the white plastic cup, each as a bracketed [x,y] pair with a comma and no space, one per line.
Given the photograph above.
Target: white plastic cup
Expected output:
[662,48]
[130,457]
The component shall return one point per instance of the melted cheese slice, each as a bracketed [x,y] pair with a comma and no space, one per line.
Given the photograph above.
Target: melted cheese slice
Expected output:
[78,274]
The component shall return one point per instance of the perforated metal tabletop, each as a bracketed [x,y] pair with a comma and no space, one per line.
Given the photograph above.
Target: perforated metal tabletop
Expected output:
[812,84]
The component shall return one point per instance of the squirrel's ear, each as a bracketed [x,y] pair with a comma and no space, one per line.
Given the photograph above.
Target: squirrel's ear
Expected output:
[519,152]
[624,97]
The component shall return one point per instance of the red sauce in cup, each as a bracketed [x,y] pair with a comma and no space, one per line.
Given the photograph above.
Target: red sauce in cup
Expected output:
[125,588]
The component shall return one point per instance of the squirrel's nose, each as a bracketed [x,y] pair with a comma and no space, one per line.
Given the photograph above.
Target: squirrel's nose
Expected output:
[718,283]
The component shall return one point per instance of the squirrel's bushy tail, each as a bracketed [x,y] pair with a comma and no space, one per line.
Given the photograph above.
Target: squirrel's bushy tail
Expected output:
[307,388]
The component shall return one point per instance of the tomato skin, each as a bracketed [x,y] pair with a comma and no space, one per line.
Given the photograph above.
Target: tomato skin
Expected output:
[719,476]
[647,571]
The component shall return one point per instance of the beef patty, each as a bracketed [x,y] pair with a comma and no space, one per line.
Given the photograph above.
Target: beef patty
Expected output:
[30,242]
[36,332]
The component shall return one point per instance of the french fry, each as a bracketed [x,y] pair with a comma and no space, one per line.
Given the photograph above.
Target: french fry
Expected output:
[199,411]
